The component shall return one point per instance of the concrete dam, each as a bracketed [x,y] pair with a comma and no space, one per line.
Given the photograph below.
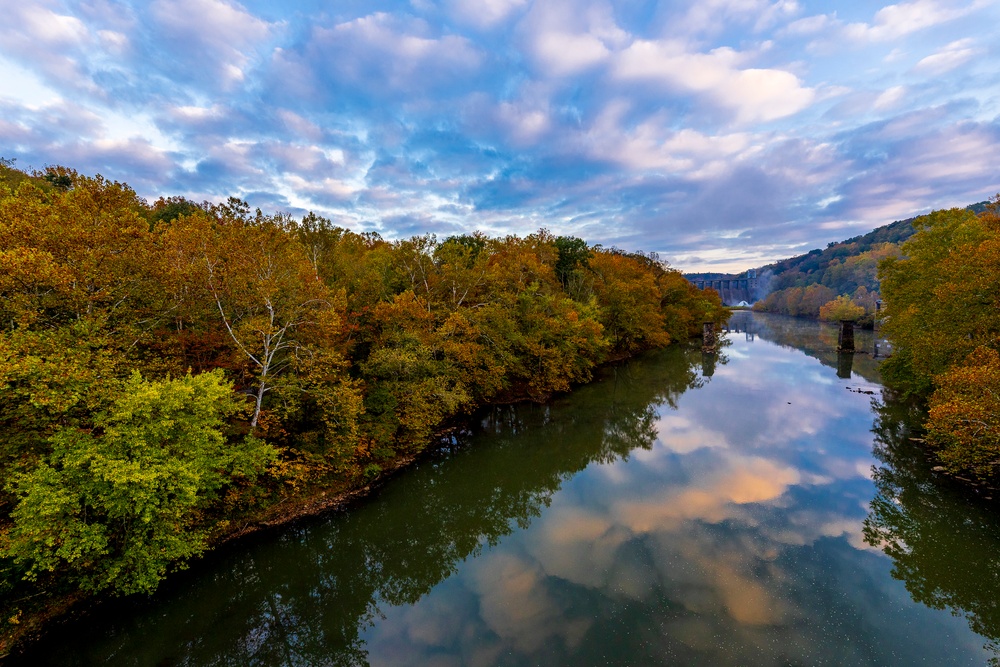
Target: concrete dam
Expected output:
[732,288]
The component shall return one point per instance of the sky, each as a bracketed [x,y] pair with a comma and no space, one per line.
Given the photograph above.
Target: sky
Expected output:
[722,134]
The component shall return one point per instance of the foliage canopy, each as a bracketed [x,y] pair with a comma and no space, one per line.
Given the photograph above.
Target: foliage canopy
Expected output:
[171,368]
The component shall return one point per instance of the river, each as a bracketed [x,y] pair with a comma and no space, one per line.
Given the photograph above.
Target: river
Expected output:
[765,506]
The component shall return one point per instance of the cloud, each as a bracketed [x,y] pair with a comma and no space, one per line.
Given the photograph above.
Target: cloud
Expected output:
[715,498]
[53,134]
[516,606]
[951,162]
[211,35]
[567,38]
[890,98]
[562,53]
[392,53]
[52,28]
[895,21]
[651,144]
[700,132]
[484,14]
[750,94]
[809,25]
[49,41]
[951,56]
[712,16]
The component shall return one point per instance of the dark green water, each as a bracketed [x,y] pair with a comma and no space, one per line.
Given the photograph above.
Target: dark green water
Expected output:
[749,510]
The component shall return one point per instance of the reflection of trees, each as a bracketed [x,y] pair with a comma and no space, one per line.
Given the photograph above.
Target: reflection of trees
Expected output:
[944,547]
[816,339]
[304,598]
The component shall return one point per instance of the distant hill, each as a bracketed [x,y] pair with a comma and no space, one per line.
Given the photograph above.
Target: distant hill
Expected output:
[815,266]
[812,267]
[801,285]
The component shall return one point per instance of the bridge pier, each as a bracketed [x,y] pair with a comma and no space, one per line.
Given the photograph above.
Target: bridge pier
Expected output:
[708,338]
[845,341]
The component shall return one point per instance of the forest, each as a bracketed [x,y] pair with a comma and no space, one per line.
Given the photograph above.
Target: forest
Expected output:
[173,371]
[845,272]
[942,298]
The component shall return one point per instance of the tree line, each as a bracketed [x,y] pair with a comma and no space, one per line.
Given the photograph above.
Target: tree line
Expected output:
[942,312]
[838,282]
[172,369]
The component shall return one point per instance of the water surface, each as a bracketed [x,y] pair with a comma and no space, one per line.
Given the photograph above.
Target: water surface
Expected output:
[760,507]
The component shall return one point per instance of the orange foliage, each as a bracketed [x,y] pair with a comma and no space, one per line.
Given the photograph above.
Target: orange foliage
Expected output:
[964,417]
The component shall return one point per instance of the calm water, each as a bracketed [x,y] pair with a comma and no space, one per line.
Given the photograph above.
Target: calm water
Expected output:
[750,510]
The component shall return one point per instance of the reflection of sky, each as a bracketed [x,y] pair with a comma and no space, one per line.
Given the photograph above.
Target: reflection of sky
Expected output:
[736,539]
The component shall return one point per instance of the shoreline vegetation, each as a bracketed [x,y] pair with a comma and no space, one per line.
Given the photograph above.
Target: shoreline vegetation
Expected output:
[176,375]
[820,283]
[939,277]
[943,316]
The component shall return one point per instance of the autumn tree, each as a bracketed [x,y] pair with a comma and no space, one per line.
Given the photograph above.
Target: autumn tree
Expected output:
[132,332]
[628,299]
[80,295]
[268,296]
[942,300]
[964,417]
[841,309]
[943,315]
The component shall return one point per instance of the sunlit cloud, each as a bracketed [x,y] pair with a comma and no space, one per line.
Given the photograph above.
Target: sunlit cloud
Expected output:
[721,75]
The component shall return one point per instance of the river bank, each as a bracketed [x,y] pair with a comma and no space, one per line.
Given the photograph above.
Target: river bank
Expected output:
[32,622]
[731,509]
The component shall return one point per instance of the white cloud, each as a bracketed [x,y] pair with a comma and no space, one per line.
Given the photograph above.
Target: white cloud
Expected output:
[47,26]
[221,35]
[484,13]
[113,40]
[566,53]
[890,98]
[894,21]
[653,145]
[397,53]
[211,22]
[951,56]
[565,37]
[525,122]
[712,16]
[751,94]
[300,125]
[48,42]
[809,25]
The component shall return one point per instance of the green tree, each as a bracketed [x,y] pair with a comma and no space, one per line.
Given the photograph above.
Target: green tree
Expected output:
[120,505]
[943,299]
[573,256]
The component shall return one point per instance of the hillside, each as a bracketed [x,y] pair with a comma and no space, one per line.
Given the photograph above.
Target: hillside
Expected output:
[821,266]
[802,285]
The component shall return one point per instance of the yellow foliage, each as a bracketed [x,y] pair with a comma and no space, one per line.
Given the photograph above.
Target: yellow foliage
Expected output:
[841,309]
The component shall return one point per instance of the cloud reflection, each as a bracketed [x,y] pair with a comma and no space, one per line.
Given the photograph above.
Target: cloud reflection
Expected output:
[728,522]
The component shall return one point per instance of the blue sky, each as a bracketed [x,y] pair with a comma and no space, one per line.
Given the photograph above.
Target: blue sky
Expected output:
[720,133]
